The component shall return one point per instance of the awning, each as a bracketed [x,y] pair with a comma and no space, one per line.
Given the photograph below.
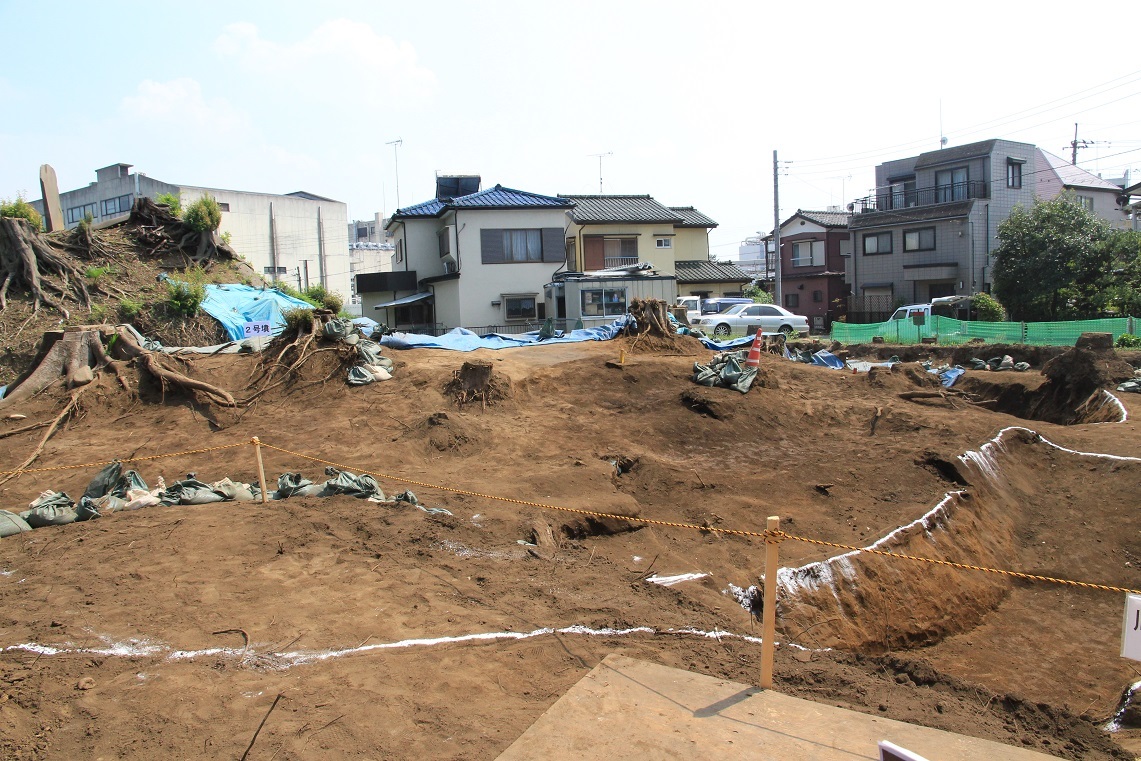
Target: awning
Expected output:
[403,301]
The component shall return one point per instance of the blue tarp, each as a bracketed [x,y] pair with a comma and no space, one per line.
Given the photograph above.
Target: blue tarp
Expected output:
[461,339]
[236,304]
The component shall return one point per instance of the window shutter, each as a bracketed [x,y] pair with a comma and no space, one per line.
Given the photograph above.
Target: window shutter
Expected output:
[554,245]
[491,246]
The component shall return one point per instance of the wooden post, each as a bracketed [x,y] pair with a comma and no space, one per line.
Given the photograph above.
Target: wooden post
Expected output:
[261,468]
[769,613]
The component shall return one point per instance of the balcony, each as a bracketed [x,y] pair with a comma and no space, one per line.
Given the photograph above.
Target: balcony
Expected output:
[618,261]
[888,199]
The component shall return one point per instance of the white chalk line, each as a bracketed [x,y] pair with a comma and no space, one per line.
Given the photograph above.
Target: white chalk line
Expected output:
[144,648]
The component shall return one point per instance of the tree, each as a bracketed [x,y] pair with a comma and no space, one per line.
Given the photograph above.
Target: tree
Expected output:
[1054,261]
[987,308]
[204,215]
[757,293]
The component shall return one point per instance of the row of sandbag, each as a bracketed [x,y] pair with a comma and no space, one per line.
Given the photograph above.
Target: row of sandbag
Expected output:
[726,370]
[372,366]
[113,490]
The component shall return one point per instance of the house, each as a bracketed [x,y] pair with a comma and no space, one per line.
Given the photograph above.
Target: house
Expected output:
[298,237]
[469,258]
[615,231]
[814,246]
[929,229]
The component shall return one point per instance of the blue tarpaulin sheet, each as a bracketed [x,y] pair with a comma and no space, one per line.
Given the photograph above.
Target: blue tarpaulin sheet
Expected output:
[235,305]
[461,339]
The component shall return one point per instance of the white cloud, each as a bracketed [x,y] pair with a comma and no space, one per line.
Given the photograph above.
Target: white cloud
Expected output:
[181,102]
[339,58]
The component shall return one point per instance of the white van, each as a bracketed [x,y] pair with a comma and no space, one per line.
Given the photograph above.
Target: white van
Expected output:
[692,306]
[942,308]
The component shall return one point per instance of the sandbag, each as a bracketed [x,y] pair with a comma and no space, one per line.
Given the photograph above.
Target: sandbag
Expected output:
[189,492]
[111,480]
[369,352]
[295,485]
[339,328]
[50,515]
[12,524]
[359,376]
[344,482]
[237,491]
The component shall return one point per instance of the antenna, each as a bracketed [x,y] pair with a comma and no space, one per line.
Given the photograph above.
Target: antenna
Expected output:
[396,159]
[600,156]
[942,137]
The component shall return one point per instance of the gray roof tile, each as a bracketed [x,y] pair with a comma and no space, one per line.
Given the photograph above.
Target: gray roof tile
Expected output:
[602,209]
[702,271]
[497,197]
[692,217]
[824,218]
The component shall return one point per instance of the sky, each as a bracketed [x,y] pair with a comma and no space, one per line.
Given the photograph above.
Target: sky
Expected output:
[687,101]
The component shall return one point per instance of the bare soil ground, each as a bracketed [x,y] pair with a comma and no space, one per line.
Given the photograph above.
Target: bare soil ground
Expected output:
[390,632]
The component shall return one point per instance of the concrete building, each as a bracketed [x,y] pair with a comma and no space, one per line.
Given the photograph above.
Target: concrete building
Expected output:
[296,237]
[930,228]
[814,246]
[370,250]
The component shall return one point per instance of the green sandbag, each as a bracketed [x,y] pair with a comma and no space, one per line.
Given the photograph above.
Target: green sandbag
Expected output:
[50,515]
[294,485]
[237,492]
[343,482]
[11,524]
[189,492]
[111,480]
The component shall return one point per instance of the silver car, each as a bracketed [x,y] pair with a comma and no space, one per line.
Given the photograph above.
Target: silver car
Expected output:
[769,317]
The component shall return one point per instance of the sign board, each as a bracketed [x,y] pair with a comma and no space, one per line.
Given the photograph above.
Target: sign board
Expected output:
[260,328]
[1131,628]
[919,318]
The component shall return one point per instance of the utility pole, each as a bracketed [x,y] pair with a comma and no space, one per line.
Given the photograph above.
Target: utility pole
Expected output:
[777,298]
[600,156]
[306,263]
[1074,147]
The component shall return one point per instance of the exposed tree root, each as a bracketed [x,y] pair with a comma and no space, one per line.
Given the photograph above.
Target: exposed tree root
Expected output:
[72,406]
[160,229]
[28,261]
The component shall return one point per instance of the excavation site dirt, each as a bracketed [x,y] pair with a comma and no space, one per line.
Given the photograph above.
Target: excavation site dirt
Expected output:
[443,625]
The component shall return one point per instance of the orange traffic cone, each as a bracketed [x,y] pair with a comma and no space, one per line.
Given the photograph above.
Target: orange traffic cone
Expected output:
[754,358]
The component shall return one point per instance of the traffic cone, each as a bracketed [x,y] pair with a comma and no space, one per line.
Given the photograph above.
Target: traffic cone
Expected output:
[754,358]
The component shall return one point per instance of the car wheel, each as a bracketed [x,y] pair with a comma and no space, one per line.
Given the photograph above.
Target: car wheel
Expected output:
[786,329]
[722,330]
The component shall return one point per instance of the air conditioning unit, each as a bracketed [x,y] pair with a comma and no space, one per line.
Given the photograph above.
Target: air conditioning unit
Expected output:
[449,267]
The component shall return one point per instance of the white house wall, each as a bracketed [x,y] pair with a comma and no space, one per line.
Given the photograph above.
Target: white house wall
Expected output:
[294,236]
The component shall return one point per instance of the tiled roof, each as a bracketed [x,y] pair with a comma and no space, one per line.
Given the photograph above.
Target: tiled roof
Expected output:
[641,209]
[1073,176]
[500,197]
[958,153]
[702,271]
[910,215]
[824,218]
[692,217]
[497,197]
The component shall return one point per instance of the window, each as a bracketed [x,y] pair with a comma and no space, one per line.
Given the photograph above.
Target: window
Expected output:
[604,302]
[951,185]
[1086,202]
[570,252]
[223,206]
[399,250]
[270,270]
[500,246]
[362,233]
[521,307]
[808,253]
[877,243]
[922,239]
[114,206]
[78,213]
[791,300]
[663,243]
[619,252]
[444,239]
[818,296]
[1013,173]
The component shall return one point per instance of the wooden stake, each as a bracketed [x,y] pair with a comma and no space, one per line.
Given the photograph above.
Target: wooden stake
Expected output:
[769,613]
[261,468]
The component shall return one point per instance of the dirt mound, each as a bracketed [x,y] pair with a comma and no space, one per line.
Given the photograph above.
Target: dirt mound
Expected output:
[484,616]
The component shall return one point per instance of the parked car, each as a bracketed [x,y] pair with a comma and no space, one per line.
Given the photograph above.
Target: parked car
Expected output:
[721,303]
[692,306]
[940,306]
[770,318]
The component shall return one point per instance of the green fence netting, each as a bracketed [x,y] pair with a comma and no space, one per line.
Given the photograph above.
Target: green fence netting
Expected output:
[949,332]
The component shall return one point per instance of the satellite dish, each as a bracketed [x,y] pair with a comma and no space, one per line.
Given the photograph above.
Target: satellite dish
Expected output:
[942,141]
[851,207]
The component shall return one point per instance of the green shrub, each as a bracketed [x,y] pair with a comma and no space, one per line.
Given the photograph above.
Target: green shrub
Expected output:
[129,308]
[758,294]
[987,308]
[99,312]
[203,215]
[321,295]
[21,209]
[185,298]
[296,319]
[227,237]
[289,290]
[171,201]
[1128,341]
[95,273]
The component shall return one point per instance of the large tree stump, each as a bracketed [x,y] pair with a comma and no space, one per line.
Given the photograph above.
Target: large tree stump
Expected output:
[652,316]
[28,262]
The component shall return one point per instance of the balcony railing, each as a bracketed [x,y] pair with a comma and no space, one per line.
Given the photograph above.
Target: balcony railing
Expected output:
[618,261]
[889,199]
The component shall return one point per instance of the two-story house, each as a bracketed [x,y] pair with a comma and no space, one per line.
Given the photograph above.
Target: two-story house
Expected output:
[610,231]
[814,245]
[469,258]
[930,228]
